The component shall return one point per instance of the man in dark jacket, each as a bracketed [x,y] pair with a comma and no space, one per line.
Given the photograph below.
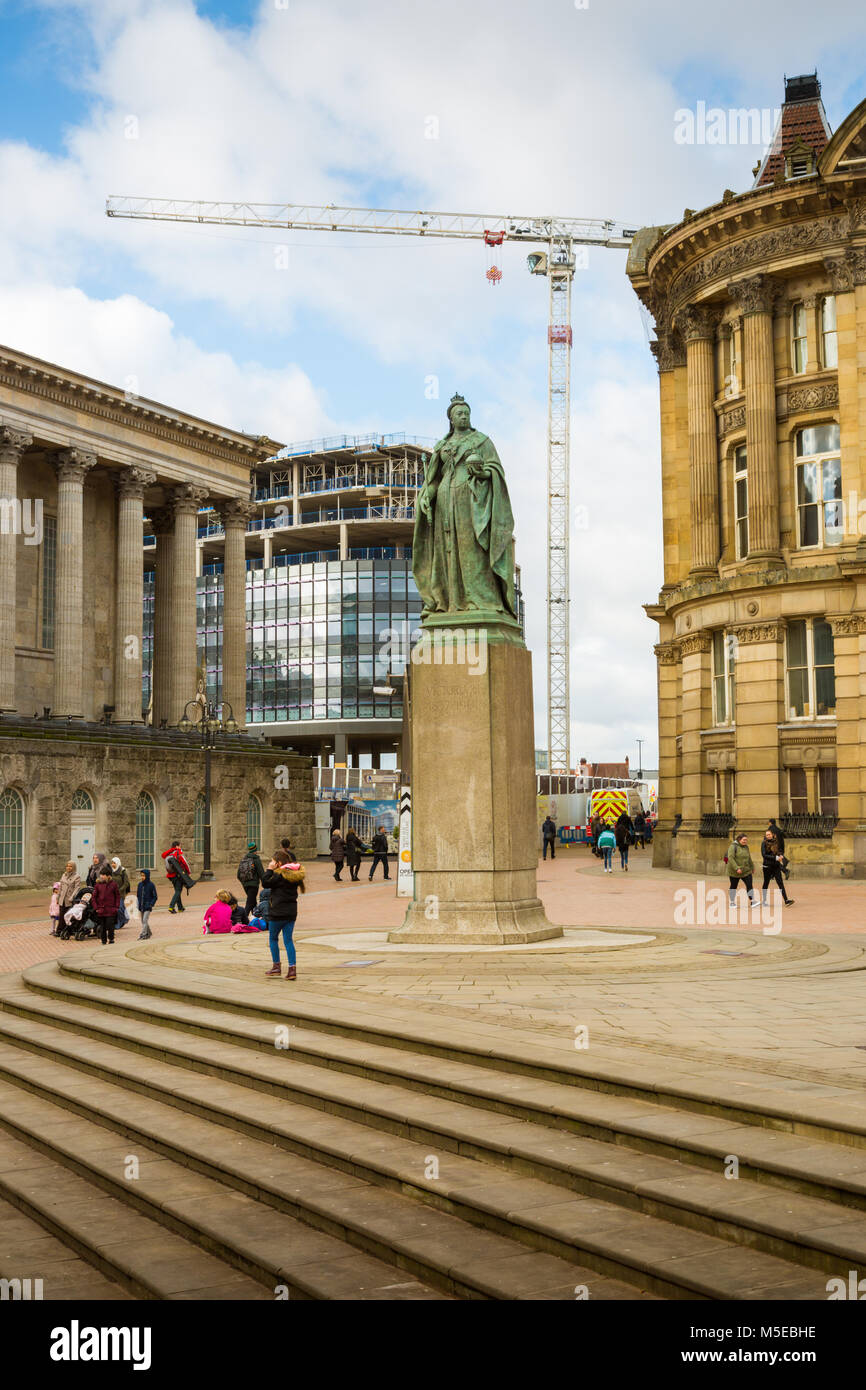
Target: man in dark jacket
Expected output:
[548,836]
[780,841]
[379,846]
[146,895]
[250,875]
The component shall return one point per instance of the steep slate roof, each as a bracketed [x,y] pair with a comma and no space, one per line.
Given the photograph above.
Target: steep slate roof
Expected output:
[802,121]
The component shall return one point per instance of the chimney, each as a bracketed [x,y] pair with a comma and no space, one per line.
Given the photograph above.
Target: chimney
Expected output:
[801,134]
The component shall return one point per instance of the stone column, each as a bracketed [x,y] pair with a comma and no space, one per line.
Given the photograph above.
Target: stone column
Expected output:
[236,516]
[848,630]
[668,656]
[131,485]
[670,355]
[162,524]
[183,663]
[72,465]
[13,442]
[697,325]
[695,715]
[759,676]
[756,297]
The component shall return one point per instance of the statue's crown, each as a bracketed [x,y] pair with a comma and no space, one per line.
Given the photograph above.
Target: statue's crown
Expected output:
[457,400]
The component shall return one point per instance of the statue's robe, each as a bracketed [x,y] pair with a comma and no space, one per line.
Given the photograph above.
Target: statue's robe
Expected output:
[464,560]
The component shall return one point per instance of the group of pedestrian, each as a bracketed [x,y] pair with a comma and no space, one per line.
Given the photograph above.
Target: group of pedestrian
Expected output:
[606,837]
[101,896]
[349,849]
[774,862]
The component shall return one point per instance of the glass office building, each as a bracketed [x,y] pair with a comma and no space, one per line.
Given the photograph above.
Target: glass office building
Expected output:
[331,601]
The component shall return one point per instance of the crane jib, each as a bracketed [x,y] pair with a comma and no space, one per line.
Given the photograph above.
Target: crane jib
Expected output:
[560,234]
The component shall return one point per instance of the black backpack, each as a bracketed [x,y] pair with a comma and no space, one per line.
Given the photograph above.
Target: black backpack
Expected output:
[247,872]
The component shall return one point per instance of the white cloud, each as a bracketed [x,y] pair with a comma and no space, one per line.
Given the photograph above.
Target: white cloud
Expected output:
[539,109]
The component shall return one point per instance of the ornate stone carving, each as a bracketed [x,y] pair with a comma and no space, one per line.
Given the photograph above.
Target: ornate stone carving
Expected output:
[186,498]
[667,653]
[696,642]
[133,482]
[857,260]
[857,214]
[734,419]
[13,442]
[669,351]
[722,759]
[235,511]
[847,624]
[161,520]
[73,465]
[840,273]
[697,321]
[759,632]
[813,397]
[757,250]
[755,295]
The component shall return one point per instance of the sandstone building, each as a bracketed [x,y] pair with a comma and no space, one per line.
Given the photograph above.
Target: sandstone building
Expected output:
[760,310]
[81,464]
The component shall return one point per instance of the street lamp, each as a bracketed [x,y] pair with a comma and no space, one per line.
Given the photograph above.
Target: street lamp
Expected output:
[212,720]
[640,743]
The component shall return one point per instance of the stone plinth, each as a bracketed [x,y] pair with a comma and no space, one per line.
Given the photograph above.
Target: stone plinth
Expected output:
[474,825]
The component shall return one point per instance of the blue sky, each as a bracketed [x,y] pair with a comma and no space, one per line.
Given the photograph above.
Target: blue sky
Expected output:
[568,112]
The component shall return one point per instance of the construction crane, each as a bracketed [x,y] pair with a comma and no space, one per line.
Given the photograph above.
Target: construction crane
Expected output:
[559,236]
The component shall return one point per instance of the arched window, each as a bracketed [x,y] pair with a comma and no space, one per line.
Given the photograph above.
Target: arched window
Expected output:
[254,820]
[198,825]
[11,832]
[144,831]
[82,800]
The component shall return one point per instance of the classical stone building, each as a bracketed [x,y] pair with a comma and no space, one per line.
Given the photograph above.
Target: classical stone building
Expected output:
[81,463]
[760,310]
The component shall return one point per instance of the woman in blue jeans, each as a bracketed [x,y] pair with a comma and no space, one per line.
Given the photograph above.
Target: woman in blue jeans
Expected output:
[607,845]
[283,877]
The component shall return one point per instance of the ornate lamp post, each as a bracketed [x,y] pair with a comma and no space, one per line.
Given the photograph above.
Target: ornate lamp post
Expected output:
[211,720]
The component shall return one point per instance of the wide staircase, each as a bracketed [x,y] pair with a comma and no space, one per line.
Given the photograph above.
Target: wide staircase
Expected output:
[166,1134]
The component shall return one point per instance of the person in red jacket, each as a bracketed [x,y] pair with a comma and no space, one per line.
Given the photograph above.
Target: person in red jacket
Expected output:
[105,904]
[174,879]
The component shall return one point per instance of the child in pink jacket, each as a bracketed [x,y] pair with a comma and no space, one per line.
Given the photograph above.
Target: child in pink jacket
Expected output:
[218,917]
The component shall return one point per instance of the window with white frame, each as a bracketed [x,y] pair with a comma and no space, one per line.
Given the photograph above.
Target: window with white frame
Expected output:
[798,791]
[829,345]
[811,673]
[799,338]
[724,645]
[820,518]
[741,503]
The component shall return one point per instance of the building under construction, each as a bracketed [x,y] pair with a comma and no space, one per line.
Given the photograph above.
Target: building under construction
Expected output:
[331,602]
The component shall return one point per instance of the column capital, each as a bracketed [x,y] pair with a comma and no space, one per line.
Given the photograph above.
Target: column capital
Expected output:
[161,520]
[73,465]
[668,351]
[668,653]
[235,511]
[185,499]
[840,273]
[133,482]
[13,442]
[697,321]
[758,632]
[697,643]
[847,624]
[756,294]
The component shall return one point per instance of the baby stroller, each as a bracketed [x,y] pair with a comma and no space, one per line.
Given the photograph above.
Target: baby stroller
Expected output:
[79,920]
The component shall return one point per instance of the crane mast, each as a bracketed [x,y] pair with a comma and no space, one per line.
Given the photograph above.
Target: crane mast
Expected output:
[559,235]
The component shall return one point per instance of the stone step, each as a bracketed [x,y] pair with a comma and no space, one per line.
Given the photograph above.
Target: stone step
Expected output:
[44,1267]
[609,1237]
[776,1157]
[257,1234]
[795,1226]
[822,1113]
[266,1246]
[124,1246]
